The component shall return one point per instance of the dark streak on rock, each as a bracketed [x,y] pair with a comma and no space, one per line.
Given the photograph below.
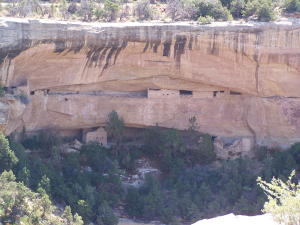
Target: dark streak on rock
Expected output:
[179,49]
[215,46]
[256,59]
[12,52]
[167,48]
[146,47]
[108,57]
[102,56]
[124,45]
[155,47]
[60,46]
[167,44]
[191,42]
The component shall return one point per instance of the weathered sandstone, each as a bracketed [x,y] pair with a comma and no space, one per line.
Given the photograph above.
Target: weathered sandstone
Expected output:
[238,80]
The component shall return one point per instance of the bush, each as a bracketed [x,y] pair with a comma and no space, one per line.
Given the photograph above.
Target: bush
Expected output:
[179,9]
[143,10]
[63,8]
[251,8]
[283,200]
[237,7]
[205,19]
[98,13]
[291,6]
[86,9]
[266,12]
[111,9]
[72,8]
[262,9]
[27,8]
[214,9]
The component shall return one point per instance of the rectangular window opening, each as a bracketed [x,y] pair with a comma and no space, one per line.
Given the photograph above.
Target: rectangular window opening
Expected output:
[235,93]
[185,92]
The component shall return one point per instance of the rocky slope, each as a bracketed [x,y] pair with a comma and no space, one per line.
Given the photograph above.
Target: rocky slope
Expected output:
[238,80]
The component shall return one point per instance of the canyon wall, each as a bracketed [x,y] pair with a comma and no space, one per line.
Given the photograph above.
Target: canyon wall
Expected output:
[240,80]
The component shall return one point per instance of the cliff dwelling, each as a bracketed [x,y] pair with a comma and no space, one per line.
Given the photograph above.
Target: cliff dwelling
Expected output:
[86,79]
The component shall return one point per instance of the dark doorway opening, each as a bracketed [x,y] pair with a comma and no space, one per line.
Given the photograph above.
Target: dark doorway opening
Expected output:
[185,92]
[235,93]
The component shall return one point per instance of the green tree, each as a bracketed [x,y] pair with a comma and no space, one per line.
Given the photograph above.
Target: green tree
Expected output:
[262,9]
[85,210]
[68,215]
[8,158]
[143,10]
[291,6]
[44,185]
[19,204]
[115,126]
[266,12]
[283,200]
[24,176]
[205,8]
[69,219]
[111,8]
[106,215]
[237,7]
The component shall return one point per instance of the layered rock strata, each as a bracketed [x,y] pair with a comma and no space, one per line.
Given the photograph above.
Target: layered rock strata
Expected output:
[239,80]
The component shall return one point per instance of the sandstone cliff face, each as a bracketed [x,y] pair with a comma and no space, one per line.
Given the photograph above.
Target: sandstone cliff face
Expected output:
[238,80]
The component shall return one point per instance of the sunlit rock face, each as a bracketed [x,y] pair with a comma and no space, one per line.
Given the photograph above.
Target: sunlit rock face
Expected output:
[237,80]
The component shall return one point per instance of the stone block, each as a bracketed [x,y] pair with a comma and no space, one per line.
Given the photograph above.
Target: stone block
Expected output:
[99,136]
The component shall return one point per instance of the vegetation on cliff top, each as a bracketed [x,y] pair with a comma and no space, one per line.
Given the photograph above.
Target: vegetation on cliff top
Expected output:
[204,11]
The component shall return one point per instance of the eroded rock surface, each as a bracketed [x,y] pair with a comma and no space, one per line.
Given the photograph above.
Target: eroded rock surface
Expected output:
[238,80]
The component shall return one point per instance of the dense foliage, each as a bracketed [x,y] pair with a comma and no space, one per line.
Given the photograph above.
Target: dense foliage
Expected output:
[19,205]
[292,6]
[207,191]
[193,185]
[137,10]
[88,180]
[7,157]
